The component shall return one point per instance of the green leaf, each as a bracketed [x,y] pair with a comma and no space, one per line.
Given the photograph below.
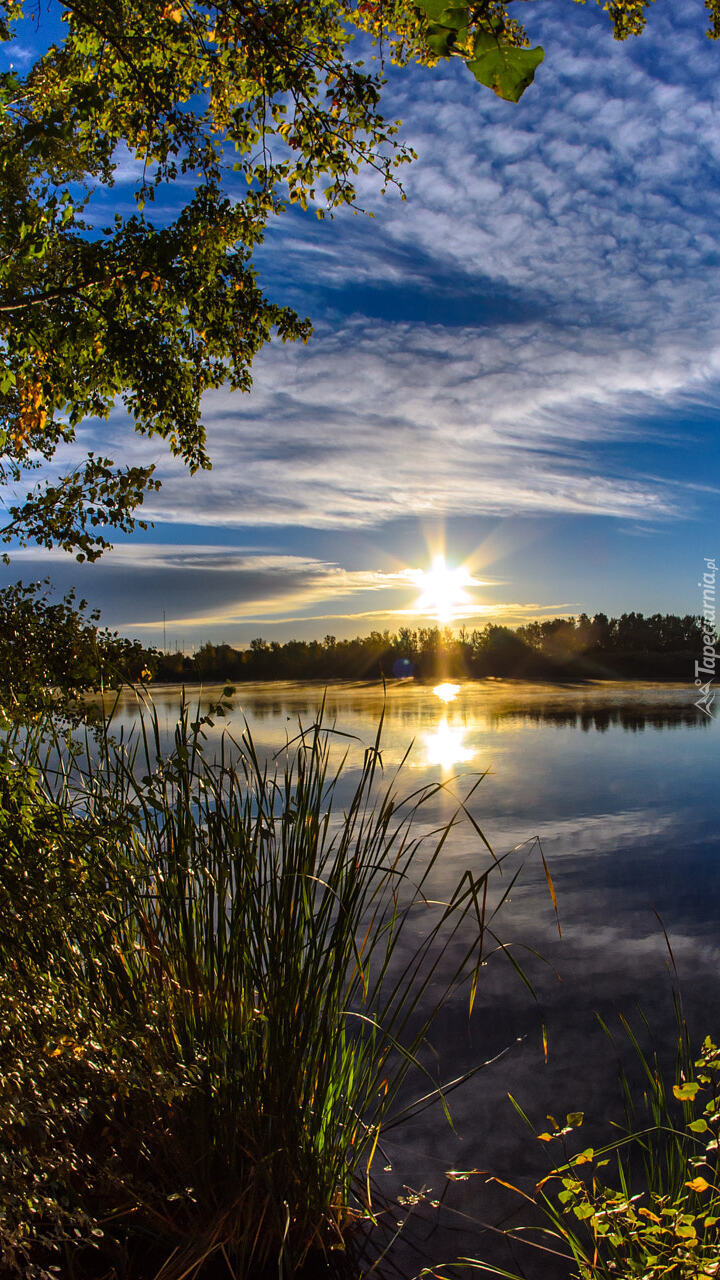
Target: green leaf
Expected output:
[484,42]
[506,70]
[455,16]
[685,1092]
[699,1126]
[438,11]
[583,1211]
[440,40]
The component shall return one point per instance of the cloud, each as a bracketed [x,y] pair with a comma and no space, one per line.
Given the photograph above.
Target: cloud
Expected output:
[225,590]
[210,585]
[375,421]
[583,212]
[591,192]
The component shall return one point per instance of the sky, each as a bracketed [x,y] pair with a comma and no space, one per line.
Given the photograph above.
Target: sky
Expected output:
[517,367]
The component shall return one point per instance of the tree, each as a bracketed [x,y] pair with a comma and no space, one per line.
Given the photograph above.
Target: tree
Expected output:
[52,651]
[156,307]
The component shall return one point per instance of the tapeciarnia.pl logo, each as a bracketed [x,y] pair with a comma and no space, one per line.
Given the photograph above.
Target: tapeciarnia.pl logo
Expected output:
[706,667]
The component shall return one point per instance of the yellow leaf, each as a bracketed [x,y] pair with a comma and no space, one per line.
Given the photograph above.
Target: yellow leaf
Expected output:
[647,1214]
[698,1184]
[585,1157]
[685,1092]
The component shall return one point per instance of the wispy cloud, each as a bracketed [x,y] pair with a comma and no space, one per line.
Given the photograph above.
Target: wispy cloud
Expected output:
[506,342]
[227,590]
[375,421]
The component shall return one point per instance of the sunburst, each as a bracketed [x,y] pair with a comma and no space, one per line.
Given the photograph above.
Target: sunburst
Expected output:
[443,591]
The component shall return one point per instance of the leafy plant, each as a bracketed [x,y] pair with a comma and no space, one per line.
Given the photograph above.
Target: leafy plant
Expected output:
[51,652]
[670,1226]
[646,1204]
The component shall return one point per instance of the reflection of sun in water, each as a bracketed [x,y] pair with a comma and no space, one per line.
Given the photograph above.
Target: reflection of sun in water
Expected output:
[443,589]
[445,746]
[446,692]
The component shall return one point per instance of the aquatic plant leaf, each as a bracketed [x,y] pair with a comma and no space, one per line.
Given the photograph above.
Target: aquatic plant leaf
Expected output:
[685,1092]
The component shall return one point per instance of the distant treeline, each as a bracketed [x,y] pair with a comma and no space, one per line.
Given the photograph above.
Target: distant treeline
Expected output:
[50,652]
[631,646]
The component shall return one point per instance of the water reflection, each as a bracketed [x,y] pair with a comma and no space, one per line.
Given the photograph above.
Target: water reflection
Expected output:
[446,746]
[446,692]
[632,719]
[498,707]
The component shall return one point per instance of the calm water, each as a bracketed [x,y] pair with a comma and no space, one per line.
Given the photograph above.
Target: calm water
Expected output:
[620,783]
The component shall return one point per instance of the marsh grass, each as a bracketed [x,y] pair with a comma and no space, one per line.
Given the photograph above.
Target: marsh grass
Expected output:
[237,974]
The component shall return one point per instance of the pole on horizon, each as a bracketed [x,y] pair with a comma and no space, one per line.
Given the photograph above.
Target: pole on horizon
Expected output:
[164,634]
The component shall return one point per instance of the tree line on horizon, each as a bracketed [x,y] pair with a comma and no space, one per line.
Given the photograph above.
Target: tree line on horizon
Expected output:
[630,646]
[50,651]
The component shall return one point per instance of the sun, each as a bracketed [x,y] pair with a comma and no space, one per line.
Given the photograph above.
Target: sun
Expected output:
[442,590]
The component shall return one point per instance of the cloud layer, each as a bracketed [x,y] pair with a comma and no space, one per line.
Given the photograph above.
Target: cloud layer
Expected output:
[583,214]
[232,593]
[524,336]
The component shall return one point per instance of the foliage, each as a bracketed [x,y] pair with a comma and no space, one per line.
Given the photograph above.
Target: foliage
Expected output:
[50,653]
[59,1068]
[212,986]
[670,1226]
[226,115]
[644,1205]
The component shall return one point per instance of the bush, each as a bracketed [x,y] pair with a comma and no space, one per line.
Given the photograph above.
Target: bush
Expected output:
[53,652]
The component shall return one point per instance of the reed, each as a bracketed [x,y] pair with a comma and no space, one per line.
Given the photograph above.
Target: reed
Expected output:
[238,975]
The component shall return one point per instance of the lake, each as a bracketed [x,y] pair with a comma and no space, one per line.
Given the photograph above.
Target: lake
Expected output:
[620,784]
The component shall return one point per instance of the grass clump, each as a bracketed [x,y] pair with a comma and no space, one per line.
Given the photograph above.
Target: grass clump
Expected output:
[213,986]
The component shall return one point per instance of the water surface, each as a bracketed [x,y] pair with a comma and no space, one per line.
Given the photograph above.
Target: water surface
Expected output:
[619,782]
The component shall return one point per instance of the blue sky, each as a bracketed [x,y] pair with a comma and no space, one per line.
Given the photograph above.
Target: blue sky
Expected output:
[519,364]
